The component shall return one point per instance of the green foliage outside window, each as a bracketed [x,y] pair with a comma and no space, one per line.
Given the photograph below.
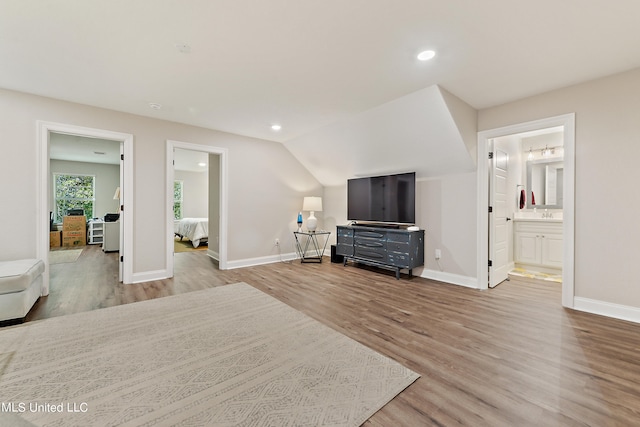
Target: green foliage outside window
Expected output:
[73,192]
[177,199]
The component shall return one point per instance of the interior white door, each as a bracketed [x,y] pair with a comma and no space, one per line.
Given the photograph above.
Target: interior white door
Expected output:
[121,220]
[498,218]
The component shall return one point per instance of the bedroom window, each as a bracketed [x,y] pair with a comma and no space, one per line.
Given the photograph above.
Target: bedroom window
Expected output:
[73,192]
[177,199]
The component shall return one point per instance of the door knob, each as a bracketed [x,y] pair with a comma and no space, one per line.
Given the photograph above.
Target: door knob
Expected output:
[508,219]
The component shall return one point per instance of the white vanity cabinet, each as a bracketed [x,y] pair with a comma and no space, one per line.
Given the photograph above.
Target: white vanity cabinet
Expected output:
[538,243]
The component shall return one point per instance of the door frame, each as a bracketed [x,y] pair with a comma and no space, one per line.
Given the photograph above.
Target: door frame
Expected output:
[170,173]
[44,129]
[567,121]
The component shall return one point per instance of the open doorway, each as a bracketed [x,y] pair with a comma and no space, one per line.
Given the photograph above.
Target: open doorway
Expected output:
[84,192]
[526,205]
[196,200]
[485,138]
[47,131]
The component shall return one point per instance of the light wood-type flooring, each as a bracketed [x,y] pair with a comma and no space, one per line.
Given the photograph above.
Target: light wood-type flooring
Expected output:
[510,356]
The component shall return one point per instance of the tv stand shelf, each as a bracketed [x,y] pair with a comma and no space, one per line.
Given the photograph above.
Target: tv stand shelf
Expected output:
[381,247]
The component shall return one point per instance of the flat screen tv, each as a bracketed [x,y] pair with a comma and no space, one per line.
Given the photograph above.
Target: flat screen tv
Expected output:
[388,198]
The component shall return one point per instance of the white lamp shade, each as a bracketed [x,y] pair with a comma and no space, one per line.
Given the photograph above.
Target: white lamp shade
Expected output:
[313,204]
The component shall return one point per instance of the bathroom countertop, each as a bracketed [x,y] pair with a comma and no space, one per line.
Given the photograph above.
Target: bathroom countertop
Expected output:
[538,219]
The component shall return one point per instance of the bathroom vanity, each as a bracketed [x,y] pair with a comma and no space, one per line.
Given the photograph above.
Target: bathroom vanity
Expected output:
[538,243]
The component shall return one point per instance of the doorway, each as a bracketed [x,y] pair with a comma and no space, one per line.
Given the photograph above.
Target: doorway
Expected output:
[217,200]
[45,132]
[485,138]
[86,178]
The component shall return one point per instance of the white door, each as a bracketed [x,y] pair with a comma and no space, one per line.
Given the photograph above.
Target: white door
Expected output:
[121,220]
[499,227]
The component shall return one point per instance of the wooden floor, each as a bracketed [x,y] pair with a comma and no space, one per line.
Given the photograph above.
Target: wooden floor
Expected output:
[510,356]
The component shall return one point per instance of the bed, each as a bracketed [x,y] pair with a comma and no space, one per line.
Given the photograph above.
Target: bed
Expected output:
[194,229]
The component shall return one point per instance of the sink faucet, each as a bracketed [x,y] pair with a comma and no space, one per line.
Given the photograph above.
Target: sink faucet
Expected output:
[546,214]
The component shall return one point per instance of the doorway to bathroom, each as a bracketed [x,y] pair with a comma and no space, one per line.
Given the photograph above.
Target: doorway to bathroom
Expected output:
[526,174]
[540,233]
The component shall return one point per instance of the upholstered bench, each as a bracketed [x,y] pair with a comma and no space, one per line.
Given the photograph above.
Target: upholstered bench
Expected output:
[20,287]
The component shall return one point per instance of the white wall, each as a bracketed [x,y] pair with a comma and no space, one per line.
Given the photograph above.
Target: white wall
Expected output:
[607,149]
[446,209]
[266,183]
[107,179]
[195,193]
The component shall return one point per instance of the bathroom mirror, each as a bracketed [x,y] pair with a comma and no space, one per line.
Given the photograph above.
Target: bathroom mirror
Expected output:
[544,183]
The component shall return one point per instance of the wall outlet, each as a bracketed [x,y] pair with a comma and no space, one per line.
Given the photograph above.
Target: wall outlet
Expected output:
[277,243]
[438,254]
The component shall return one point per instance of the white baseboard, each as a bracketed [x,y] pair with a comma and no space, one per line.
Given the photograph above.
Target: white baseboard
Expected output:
[213,254]
[149,276]
[250,262]
[617,311]
[454,279]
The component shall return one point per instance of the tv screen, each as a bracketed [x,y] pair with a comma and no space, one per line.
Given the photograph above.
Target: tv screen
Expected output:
[388,198]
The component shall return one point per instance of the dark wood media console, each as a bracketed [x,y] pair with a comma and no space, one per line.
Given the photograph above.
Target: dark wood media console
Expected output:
[381,247]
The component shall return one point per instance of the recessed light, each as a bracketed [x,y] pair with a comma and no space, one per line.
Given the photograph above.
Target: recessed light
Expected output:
[276,127]
[202,164]
[426,55]
[155,105]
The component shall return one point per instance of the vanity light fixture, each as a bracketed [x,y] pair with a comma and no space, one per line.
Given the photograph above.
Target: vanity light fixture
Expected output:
[547,151]
[530,155]
[155,105]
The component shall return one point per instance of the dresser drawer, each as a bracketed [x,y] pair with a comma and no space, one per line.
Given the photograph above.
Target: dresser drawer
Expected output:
[345,232]
[397,247]
[398,237]
[370,234]
[376,254]
[345,240]
[344,249]
[396,259]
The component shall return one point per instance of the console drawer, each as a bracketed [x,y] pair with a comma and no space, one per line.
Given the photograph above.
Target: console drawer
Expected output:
[396,259]
[398,247]
[345,232]
[370,234]
[377,254]
[398,237]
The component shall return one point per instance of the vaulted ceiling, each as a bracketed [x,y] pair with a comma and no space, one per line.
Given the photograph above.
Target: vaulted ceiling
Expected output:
[319,69]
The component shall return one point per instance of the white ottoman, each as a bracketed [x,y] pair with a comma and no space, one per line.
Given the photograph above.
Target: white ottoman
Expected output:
[20,287]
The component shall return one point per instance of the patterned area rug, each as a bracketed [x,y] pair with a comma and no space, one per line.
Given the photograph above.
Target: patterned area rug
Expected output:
[226,356]
[62,256]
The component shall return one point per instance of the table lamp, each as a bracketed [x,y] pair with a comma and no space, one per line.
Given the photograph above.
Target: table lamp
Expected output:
[312,204]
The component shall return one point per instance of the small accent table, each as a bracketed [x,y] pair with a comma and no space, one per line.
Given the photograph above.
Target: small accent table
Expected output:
[308,241]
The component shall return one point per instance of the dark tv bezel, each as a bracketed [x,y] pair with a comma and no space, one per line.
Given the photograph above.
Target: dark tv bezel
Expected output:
[374,222]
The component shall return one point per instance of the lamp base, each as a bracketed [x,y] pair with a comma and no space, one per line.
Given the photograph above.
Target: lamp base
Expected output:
[312,222]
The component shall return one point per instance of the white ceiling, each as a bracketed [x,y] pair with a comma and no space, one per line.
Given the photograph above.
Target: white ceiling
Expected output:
[83,149]
[305,64]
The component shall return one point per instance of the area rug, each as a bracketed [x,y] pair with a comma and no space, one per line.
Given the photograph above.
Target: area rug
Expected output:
[226,356]
[187,246]
[63,256]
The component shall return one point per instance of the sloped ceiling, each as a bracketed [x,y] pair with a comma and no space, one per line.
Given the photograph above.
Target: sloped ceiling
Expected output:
[420,132]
